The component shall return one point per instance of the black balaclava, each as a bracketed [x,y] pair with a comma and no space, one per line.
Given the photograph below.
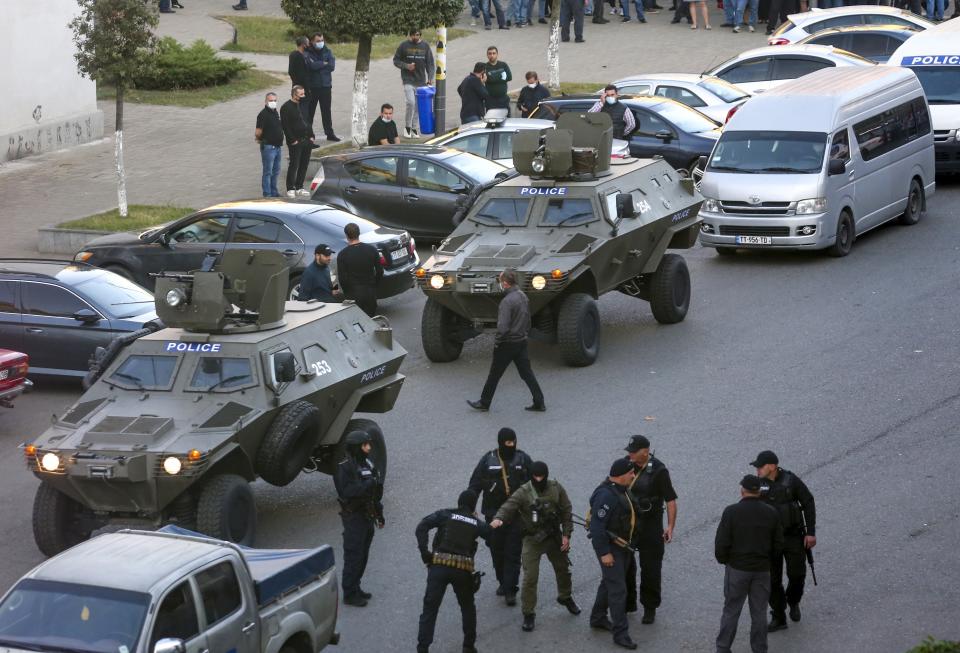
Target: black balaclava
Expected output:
[506,434]
[539,468]
[355,441]
[467,501]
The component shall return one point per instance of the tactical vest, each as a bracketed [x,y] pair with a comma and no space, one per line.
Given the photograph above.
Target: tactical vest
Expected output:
[459,535]
[493,474]
[644,488]
[624,525]
[782,495]
[616,112]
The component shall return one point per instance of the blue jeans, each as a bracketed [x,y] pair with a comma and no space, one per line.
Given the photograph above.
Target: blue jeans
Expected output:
[729,11]
[934,9]
[270,157]
[741,5]
[521,11]
[475,10]
[499,6]
[638,4]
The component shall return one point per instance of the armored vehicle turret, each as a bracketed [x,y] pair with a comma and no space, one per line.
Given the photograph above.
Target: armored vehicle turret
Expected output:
[574,224]
[240,385]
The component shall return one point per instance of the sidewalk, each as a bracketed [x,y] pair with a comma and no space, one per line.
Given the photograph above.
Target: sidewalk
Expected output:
[198,157]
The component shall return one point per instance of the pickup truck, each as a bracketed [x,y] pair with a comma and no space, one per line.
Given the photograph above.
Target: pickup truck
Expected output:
[173,591]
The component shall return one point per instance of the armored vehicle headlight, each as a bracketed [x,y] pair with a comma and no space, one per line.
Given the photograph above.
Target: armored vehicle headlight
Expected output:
[816,205]
[175,297]
[436,282]
[172,465]
[538,282]
[50,461]
[538,164]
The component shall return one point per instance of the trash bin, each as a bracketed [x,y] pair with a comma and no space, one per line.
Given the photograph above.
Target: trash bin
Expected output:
[425,108]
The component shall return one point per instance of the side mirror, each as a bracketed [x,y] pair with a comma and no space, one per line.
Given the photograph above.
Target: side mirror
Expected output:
[625,208]
[701,164]
[836,167]
[164,240]
[169,645]
[460,189]
[284,367]
[86,316]
[664,135]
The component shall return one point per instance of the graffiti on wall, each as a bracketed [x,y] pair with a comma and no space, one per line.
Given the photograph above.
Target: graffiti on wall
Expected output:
[51,137]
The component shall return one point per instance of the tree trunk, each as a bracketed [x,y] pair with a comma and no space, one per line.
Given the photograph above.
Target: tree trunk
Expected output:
[358,123]
[553,54]
[118,153]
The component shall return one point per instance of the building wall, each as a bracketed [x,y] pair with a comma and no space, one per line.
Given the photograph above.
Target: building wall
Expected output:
[47,105]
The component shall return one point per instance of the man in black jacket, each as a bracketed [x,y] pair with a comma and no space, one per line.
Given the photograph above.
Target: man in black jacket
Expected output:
[531,95]
[269,134]
[498,475]
[298,71]
[748,537]
[321,64]
[473,94]
[359,270]
[450,563]
[315,282]
[299,137]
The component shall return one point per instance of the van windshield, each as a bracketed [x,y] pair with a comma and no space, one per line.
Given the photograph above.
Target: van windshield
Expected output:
[756,152]
[940,83]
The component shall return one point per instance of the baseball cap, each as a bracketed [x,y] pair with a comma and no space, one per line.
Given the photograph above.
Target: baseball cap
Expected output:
[765,458]
[750,483]
[620,467]
[637,442]
[324,249]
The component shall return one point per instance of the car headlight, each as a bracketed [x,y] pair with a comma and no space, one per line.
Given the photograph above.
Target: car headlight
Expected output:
[175,297]
[83,257]
[436,282]
[538,282]
[711,206]
[816,205]
[50,462]
[172,465]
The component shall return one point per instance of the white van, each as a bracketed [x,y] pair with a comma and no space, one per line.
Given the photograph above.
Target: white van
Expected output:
[818,161]
[934,55]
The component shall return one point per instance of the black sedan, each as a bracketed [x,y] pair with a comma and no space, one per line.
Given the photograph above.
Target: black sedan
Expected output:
[293,228]
[873,42]
[678,133]
[58,312]
[412,187]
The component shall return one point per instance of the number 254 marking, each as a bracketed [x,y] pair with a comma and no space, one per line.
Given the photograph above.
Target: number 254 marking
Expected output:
[321,368]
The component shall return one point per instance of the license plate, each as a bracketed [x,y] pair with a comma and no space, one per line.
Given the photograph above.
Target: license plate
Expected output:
[4,374]
[754,240]
[398,254]
[480,287]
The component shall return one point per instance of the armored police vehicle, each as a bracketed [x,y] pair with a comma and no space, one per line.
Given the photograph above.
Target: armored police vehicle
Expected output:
[241,384]
[574,225]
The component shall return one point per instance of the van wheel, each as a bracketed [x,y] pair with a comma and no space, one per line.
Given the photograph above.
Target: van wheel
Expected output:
[58,521]
[226,509]
[914,204]
[291,437]
[670,290]
[578,330]
[845,236]
[438,326]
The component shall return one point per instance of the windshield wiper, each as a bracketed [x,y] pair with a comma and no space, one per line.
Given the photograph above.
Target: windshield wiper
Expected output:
[235,377]
[572,217]
[782,169]
[490,217]
[732,169]
[131,378]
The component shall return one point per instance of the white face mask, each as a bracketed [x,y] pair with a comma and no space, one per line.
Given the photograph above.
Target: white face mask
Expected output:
[385,119]
[534,85]
[610,99]
[318,45]
[272,104]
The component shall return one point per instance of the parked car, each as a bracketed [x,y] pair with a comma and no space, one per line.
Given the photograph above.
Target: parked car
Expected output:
[294,228]
[798,26]
[873,42]
[59,312]
[173,591]
[13,376]
[666,128]
[708,95]
[760,69]
[412,187]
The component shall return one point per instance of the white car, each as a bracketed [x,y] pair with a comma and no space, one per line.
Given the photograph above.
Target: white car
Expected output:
[763,68]
[710,95]
[798,26]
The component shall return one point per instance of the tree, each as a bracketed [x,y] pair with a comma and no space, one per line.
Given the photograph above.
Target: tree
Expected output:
[115,41]
[553,52]
[350,20]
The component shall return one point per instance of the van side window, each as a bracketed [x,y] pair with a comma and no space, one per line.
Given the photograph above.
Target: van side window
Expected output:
[891,129]
[840,147]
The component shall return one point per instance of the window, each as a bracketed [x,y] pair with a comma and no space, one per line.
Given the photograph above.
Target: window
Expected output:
[219,592]
[834,39]
[634,89]
[681,95]
[223,373]
[752,70]
[840,147]
[790,68]
[118,296]
[255,230]
[889,130]
[176,616]
[428,175]
[503,212]
[143,371]
[475,143]
[939,84]
[50,301]
[506,146]
[375,170]
[723,90]
[8,297]
[648,124]
[872,46]
[208,229]
[778,152]
[887,19]
[836,21]
[568,213]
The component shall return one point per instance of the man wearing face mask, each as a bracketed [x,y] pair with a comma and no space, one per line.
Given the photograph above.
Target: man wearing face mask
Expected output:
[299,137]
[414,58]
[297,69]
[269,134]
[531,95]
[621,116]
[498,475]
[383,131]
[321,63]
[543,509]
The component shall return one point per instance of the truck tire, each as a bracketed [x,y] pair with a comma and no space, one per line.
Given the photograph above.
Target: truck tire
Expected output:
[436,332]
[670,290]
[287,445]
[57,521]
[914,210]
[226,509]
[578,329]
[379,452]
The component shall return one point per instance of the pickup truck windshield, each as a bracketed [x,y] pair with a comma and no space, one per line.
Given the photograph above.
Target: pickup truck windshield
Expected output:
[769,152]
[48,615]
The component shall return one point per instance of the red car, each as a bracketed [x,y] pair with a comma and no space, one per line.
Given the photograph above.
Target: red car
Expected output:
[13,376]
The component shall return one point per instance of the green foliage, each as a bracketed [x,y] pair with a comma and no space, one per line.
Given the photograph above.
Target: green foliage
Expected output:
[177,67]
[931,645]
[141,216]
[114,38]
[348,20]
[247,82]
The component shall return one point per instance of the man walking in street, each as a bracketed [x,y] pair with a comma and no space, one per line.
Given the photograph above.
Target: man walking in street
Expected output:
[571,10]
[299,73]
[473,94]
[315,282]
[359,270]
[383,131]
[748,537]
[321,63]
[498,475]
[299,137]
[513,326]
[498,76]
[414,58]
[620,115]
[543,509]
[269,134]
[798,515]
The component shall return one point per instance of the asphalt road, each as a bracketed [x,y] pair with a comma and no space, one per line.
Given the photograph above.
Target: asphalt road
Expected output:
[847,368]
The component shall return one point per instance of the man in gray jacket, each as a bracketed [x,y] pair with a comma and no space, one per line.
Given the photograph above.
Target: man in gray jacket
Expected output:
[414,58]
[513,326]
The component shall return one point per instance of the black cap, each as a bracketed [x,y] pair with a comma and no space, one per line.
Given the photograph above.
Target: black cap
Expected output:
[539,468]
[505,434]
[467,500]
[323,248]
[637,442]
[765,458]
[620,467]
[750,483]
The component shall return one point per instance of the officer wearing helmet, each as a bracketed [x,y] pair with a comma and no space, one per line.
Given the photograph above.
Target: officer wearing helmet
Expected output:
[360,491]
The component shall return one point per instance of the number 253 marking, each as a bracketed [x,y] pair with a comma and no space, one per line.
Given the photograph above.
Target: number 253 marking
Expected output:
[321,368]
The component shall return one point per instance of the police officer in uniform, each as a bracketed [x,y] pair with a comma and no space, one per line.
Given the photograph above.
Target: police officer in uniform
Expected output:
[798,514]
[613,520]
[498,475]
[359,487]
[450,563]
[544,510]
[651,491]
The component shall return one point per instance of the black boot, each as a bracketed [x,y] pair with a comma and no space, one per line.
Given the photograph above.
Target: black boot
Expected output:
[529,622]
[777,622]
[570,605]
[795,612]
[649,616]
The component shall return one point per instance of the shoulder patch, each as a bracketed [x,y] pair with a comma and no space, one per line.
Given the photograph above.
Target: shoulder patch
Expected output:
[602,512]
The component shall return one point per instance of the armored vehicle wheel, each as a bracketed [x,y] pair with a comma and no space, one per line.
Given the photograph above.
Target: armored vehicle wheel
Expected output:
[437,327]
[845,236]
[58,521]
[226,509]
[287,445]
[914,204]
[670,290]
[578,329]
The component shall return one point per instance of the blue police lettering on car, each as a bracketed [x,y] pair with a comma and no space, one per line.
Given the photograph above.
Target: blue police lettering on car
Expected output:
[528,190]
[203,347]
[372,375]
[931,60]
